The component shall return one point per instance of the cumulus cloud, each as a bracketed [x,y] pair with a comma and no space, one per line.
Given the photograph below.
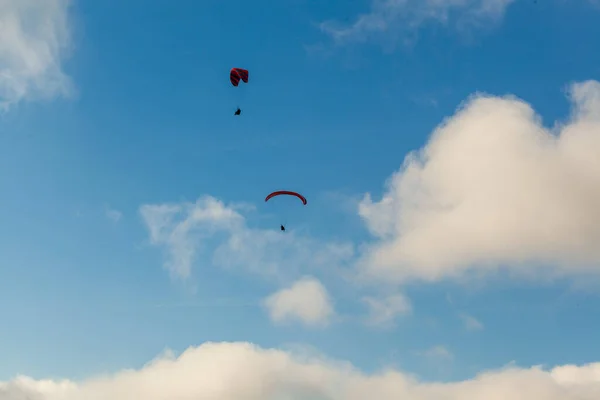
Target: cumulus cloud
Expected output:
[384,311]
[493,187]
[471,323]
[235,371]
[34,38]
[185,229]
[389,18]
[306,301]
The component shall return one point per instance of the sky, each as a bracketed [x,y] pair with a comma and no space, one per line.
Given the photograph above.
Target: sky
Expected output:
[448,150]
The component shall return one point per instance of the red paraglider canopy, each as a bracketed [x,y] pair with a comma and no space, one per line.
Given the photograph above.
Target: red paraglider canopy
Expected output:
[236,74]
[280,192]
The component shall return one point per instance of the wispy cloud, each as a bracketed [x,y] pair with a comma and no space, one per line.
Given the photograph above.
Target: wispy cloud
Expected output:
[594,2]
[471,323]
[34,38]
[384,311]
[438,352]
[181,228]
[185,229]
[390,20]
[113,215]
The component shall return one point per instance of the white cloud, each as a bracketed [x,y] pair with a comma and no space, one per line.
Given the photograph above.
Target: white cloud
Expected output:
[493,188]
[232,371]
[384,311]
[306,301]
[34,36]
[471,323]
[389,18]
[112,214]
[183,229]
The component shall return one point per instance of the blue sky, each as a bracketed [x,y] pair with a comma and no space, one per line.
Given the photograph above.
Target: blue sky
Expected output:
[133,218]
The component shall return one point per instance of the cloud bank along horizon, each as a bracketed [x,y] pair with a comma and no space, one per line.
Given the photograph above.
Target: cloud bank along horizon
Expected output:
[209,371]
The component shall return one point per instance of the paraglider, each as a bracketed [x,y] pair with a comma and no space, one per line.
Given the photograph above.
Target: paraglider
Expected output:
[235,75]
[288,193]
